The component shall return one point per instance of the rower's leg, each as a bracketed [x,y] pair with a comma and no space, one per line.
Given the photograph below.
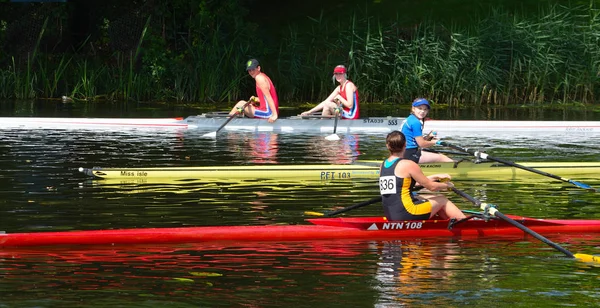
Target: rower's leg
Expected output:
[443,207]
[429,157]
[329,109]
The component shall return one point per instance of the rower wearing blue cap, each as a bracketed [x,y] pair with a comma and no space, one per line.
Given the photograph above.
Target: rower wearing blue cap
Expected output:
[412,128]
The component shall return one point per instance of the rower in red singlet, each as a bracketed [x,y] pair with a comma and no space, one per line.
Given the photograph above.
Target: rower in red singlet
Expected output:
[265,92]
[345,96]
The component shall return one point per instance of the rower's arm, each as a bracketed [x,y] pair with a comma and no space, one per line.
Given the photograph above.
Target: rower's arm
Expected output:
[431,182]
[425,143]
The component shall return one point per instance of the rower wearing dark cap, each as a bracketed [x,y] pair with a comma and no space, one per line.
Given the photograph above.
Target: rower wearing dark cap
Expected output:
[267,106]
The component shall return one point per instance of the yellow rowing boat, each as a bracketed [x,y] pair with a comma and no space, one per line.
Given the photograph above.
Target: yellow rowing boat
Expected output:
[358,170]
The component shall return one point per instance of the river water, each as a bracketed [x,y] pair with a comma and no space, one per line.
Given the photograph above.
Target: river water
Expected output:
[42,190]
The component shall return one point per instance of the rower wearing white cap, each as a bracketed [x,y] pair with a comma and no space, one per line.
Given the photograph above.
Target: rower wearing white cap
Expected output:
[412,128]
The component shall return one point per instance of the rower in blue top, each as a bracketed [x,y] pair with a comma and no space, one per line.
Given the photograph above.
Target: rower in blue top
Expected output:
[412,128]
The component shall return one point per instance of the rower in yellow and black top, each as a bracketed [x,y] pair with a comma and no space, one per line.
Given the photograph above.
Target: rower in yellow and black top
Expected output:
[397,180]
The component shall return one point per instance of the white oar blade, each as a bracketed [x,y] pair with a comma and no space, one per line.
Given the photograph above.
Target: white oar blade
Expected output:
[210,135]
[333,137]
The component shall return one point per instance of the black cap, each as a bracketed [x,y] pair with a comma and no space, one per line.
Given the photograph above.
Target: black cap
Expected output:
[252,64]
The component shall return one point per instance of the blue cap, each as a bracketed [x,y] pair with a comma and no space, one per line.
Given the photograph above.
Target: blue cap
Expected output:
[419,102]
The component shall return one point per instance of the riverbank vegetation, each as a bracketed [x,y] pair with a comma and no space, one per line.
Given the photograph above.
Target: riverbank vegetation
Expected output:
[194,51]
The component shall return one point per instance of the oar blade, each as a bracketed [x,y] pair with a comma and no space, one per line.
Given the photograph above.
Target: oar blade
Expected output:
[210,135]
[587,258]
[332,137]
[310,213]
[582,185]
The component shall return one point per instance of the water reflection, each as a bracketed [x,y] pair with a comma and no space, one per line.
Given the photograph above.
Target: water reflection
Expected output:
[353,272]
[254,148]
[343,151]
[223,273]
[410,271]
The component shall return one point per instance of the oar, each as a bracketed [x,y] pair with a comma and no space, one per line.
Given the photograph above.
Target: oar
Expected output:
[482,155]
[445,152]
[355,206]
[346,209]
[334,136]
[214,134]
[494,212]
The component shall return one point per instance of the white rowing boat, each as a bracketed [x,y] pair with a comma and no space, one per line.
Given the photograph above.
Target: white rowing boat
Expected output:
[295,124]
[470,127]
[90,123]
[388,124]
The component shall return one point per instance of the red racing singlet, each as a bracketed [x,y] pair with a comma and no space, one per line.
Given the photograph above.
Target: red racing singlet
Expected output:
[264,105]
[350,113]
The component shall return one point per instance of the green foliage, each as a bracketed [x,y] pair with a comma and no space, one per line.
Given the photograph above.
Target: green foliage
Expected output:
[502,58]
[195,50]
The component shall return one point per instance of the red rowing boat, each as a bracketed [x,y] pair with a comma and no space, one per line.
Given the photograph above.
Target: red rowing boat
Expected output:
[320,228]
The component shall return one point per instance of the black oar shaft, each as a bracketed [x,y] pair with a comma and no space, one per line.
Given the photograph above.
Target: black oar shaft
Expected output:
[352,207]
[445,152]
[355,206]
[335,123]
[515,223]
[466,196]
[225,123]
[513,164]
[337,115]
[233,116]
[533,233]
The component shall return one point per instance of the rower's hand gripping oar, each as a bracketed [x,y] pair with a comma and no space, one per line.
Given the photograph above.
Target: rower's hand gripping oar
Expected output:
[334,136]
[482,155]
[491,210]
[239,111]
[346,209]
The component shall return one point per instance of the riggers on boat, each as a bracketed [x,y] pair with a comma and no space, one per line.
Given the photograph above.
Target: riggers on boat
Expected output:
[318,229]
[297,124]
[358,170]
[388,124]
